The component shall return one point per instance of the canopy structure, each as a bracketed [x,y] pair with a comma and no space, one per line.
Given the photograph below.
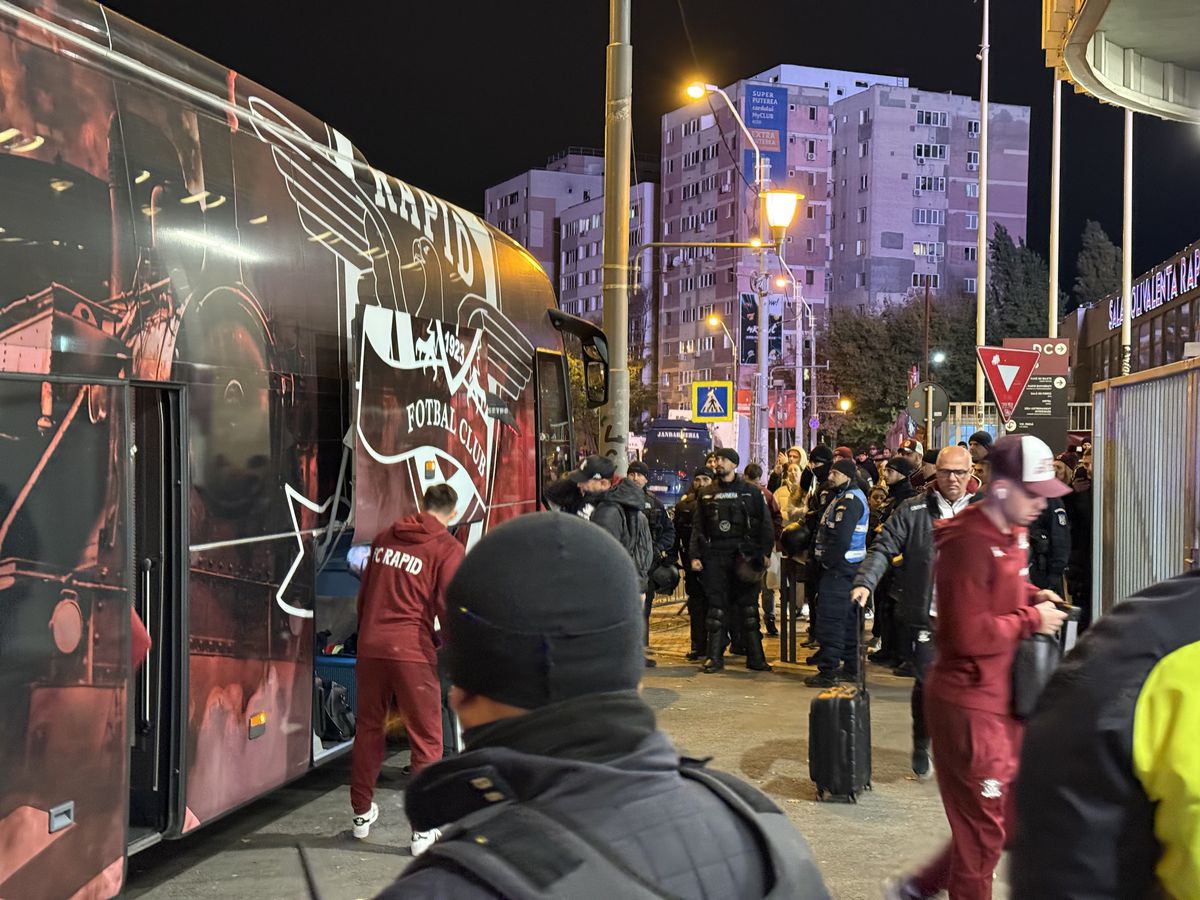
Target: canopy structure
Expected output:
[1139,54]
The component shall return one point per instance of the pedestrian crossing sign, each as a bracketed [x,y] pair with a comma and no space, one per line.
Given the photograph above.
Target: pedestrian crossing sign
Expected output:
[712,401]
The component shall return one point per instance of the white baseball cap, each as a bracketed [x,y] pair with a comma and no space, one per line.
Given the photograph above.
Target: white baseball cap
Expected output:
[1026,459]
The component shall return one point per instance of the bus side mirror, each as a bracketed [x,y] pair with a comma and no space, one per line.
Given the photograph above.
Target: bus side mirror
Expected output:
[595,354]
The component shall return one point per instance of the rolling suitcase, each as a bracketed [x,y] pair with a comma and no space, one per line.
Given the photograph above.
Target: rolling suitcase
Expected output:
[839,735]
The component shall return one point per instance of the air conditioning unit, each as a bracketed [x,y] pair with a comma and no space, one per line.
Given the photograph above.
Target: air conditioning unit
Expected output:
[726,188]
[920,160]
[972,167]
[916,192]
[810,156]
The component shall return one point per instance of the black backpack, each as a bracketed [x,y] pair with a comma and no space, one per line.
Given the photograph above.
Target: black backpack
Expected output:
[524,853]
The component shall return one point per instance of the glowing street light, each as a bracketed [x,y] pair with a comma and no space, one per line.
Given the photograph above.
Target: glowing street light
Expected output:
[781,209]
[697,90]
[844,404]
[938,357]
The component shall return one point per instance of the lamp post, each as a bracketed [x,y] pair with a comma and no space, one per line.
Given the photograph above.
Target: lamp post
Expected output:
[781,207]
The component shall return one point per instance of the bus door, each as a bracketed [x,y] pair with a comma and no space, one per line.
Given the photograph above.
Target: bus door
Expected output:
[158,689]
[65,594]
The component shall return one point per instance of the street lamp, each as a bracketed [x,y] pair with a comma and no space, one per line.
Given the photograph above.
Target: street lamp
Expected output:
[938,358]
[844,404]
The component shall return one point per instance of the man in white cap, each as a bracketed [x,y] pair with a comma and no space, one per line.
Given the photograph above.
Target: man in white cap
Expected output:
[986,606]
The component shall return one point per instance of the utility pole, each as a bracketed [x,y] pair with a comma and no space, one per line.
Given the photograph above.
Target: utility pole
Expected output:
[1055,162]
[762,440]
[618,141]
[981,245]
[1127,251]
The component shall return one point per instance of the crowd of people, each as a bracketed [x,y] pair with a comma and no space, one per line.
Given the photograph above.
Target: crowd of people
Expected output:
[566,786]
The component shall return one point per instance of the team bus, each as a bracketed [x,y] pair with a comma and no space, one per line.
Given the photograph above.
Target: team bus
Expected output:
[227,346]
[674,449]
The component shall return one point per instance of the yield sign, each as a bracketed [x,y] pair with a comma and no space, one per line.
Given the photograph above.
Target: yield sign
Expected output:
[1008,372]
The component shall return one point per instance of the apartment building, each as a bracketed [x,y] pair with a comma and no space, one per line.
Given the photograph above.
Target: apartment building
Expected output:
[904,191]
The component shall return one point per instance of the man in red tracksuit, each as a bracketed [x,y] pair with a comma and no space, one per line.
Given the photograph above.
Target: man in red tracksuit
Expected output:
[403,589]
[985,607]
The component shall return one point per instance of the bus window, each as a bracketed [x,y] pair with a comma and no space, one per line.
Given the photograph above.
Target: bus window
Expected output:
[555,456]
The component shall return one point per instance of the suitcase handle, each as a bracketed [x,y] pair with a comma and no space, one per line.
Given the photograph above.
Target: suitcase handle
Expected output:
[861,614]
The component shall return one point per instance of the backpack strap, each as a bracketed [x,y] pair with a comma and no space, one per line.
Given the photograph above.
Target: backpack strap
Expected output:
[793,872]
[522,852]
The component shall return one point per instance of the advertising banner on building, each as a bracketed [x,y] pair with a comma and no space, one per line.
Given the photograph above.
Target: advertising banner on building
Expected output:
[748,336]
[1043,409]
[765,109]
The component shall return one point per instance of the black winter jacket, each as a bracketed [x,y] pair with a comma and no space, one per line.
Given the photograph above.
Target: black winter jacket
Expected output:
[1049,546]
[596,763]
[612,511]
[908,533]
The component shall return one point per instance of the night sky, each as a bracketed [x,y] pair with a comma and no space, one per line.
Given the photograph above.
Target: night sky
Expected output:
[456,96]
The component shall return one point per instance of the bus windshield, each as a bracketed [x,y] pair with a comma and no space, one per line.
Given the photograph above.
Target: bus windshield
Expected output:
[676,455]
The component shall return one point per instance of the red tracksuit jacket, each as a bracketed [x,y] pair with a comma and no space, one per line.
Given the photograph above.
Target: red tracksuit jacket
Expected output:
[983,611]
[404,588]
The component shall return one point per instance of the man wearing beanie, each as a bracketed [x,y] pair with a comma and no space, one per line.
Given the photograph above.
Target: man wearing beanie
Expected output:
[685,516]
[592,492]
[814,484]
[662,534]
[732,540]
[567,788]
[841,546]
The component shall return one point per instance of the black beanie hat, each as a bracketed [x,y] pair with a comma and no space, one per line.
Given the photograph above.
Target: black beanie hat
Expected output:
[706,472]
[930,457]
[901,465]
[847,467]
[637,467]
[529,635]
[821,454]
[727,453]
[983,438]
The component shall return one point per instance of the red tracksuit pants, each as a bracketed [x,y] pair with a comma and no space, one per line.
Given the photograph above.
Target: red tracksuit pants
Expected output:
[418,697]
[976,755]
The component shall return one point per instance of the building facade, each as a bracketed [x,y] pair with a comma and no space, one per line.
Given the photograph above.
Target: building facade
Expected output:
[904,191]
[581,265]
[707,194]
[527,206]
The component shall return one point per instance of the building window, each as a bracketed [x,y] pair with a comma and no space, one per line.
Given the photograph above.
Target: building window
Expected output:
[706,343]
[972,189]
[862,182]
[930,117]
[973,128]
[669,136]
[812,179]
[670,166]
[926,216]
[969,285]
[691,158]
[972,160]
[861,216]
[808,276]
[864,116]
[862,149]
[929,151]
[920,279]
[708,279]
[972,221]
[808,245]
[932,183]
[692,126]
[858,248]
[812,114]
[860,279]
[970,254]
[933,249]
[810,212]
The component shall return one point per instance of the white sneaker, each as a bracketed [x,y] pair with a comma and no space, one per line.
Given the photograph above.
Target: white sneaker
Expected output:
[804,611]
[423,840]
[898,889]
[363,823]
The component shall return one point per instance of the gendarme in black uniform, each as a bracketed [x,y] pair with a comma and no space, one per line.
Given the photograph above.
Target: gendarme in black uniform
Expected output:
[732,536]
[685,516]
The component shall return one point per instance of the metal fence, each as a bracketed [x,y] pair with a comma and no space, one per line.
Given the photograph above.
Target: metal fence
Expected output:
[1145,480]
[962,422]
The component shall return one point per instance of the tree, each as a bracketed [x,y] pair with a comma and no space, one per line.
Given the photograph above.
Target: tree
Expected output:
[1097,267]
[893,341]
[1018,287]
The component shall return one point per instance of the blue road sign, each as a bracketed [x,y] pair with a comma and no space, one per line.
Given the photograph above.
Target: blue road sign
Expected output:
[712,401]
